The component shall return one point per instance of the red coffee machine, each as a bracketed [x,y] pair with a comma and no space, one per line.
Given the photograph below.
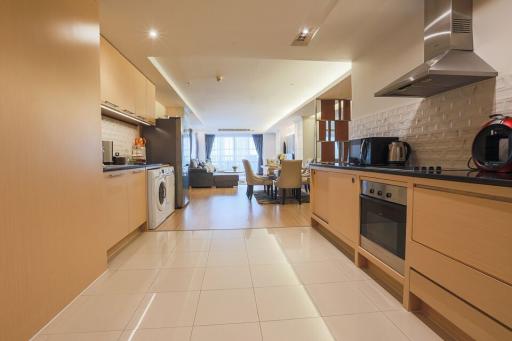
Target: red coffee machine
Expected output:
[492,146]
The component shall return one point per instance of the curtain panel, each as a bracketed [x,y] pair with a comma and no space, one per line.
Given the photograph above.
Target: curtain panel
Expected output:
[258,143]
[208,141]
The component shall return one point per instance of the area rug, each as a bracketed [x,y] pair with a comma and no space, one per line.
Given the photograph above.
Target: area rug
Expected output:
[264,199]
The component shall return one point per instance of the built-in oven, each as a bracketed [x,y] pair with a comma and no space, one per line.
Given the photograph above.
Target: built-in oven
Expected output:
[383,219]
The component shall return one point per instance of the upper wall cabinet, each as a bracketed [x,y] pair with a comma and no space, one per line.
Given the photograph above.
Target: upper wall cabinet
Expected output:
[123,86]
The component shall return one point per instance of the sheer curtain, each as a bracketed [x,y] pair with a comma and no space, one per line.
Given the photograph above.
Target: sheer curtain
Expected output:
[230,150]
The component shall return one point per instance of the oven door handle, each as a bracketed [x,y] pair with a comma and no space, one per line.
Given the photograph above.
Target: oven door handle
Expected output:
[380,201]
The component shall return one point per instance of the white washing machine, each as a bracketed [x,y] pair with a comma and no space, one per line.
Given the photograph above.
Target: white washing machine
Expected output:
[160,195]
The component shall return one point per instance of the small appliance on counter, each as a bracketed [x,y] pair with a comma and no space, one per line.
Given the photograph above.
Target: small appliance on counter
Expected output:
[492,146]
[399,152]
[370,151]
[107,149]
[120,160]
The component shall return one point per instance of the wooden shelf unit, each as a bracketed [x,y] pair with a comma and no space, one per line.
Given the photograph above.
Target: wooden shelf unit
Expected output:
[331,129]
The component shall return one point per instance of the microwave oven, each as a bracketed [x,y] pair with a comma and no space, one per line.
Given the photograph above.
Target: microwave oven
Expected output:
[369,151]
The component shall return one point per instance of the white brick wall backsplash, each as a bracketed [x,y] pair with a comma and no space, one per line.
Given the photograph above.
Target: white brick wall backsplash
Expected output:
[121,133]
[441,128]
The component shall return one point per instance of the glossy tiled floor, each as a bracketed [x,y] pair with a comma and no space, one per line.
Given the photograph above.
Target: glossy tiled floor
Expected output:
[258,284]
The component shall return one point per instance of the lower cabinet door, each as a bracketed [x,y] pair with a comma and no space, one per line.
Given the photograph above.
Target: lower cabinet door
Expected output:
[343,207]
[319,193]
[137,197]
[115,207]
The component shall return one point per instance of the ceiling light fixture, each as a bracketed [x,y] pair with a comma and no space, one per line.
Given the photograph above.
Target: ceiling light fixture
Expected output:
[153,34]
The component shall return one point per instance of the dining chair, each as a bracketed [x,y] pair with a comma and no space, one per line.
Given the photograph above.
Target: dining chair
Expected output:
[253,179]
[290,178]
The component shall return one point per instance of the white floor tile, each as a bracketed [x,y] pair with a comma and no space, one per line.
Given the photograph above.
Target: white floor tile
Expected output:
[227,332]
[279,303]
[178,279]
[160,334]
[268,275]
[340,298]
[123,282]
[193,245]
[379,296]
[166,309]
[186,260]
[319,272]
[100,336]
[223,234]
[364,327]
[310,329]
[267,256]
[228,245]
[226,258]
[226,306]
[227,277]
[412,326]
[96,313]
[138,261]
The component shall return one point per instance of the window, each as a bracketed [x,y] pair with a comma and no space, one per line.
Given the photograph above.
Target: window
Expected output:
[229,151]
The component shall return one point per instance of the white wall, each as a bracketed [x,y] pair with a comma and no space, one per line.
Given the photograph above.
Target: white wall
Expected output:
[440,128]
[308,137]
[122,135]
[269,146]
[399,53]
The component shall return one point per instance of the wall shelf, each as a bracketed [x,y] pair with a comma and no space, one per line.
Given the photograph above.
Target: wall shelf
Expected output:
[331,129]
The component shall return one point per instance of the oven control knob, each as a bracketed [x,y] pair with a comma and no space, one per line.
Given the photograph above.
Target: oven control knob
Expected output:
[372,190]
[379,193]
[388,195]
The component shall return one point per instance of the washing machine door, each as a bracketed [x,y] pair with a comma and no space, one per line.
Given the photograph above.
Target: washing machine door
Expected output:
[161,191]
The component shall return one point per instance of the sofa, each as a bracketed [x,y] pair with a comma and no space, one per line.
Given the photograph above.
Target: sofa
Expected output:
[200,174]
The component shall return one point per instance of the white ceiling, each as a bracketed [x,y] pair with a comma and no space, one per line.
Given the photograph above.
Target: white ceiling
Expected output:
[248,42]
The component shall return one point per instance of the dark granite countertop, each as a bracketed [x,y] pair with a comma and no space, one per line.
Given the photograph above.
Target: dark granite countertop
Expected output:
[460,175]
[112,168]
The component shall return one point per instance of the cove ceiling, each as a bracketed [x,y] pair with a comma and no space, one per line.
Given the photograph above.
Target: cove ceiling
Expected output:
[248,44]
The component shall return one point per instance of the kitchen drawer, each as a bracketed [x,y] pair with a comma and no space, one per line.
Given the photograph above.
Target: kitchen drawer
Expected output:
[472,228]
[488,294]
[474,323]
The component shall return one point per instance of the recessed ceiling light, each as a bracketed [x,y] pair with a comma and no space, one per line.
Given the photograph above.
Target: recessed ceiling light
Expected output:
[305,31]
[153,34]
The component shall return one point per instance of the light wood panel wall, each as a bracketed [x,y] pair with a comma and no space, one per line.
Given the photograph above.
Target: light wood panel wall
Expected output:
[50,227]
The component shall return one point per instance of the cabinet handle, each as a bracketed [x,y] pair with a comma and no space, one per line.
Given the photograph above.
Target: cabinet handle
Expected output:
[353,180]
[129,112]
[138,171]
[111,104]
[115,175]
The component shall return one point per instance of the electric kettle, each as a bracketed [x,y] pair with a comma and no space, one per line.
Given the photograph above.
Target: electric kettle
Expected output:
[399,152]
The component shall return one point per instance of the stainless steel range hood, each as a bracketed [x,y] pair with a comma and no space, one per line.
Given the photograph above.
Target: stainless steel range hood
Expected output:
[449,58]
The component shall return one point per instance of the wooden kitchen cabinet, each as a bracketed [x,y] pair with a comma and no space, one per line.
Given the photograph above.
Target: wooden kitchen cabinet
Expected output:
[335,200]
[471,228]
[150,100]
[343,207]
[137,198]
[320,194]
[115,208]
[123,86]
[124,204]
[139,86]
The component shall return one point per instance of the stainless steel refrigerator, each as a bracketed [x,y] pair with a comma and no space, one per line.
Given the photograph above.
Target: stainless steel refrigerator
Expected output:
[169,141]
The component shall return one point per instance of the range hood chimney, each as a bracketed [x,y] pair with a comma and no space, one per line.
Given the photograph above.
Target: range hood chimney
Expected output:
[449,58]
